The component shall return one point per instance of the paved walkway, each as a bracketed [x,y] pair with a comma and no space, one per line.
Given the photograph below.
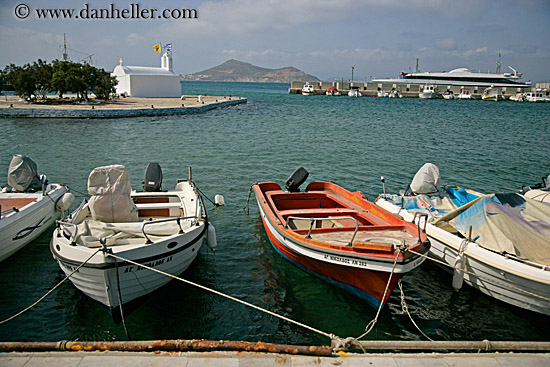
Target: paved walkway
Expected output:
[245,359]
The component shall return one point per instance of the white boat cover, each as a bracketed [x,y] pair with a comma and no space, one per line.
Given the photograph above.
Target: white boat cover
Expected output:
[505,223]
[110,189]
[426,180]
[23,174]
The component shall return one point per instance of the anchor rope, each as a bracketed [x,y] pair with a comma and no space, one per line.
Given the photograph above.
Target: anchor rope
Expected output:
[482,277]
[246,207]
[373,322]
[331,336]
[50,291]
[405,308]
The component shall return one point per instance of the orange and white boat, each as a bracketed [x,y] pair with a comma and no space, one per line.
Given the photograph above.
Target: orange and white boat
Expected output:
[339,236]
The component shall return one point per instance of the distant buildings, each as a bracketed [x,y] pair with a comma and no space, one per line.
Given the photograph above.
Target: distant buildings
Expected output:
[143,81]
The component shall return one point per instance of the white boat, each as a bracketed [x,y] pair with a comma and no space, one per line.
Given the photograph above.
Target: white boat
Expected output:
[492,94]
[308,90]
[497,243]
[539,192]
[394,93]
[354,92]
[538,95]
[465,94]
[428,92]
[382,94]
[448,94]
[332,92]
[163,230]
[29,207]
[518,97]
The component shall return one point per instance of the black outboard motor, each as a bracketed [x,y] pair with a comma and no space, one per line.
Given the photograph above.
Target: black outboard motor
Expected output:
[296,179]
[153,178]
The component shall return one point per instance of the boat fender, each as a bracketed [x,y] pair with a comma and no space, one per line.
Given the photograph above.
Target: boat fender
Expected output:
[212,243]
[219,200]
[65,202]
[458,273]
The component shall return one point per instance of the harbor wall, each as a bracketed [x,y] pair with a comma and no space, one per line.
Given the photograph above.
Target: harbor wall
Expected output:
[371,89]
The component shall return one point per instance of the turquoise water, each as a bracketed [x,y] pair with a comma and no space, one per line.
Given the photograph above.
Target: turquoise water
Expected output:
[352,141]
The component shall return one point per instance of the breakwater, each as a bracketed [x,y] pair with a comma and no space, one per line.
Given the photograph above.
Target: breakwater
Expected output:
[11,106]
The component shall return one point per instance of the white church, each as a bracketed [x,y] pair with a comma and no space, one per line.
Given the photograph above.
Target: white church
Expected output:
[143,81]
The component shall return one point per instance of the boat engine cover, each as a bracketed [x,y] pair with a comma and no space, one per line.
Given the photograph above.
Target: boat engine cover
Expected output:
[296,179]
[426,180]
[23,174]
[153,178]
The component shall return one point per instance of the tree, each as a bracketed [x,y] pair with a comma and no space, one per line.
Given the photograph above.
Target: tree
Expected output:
[21,79]
[42,74]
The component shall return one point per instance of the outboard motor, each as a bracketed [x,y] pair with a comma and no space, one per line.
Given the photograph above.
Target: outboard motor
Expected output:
[296,179]
[153,178]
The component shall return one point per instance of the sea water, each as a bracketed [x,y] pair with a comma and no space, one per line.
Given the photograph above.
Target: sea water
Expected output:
[486,146]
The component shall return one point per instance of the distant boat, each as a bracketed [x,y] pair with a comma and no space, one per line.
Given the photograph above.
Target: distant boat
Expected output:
[382,94]
[332,92]
[465,94]
[538,95]
[308,90]
[492,94]
[518,97]
[428,92]
[448,94]
[339,236]
[460,77]
[29,207]
[394,93]
[354,92]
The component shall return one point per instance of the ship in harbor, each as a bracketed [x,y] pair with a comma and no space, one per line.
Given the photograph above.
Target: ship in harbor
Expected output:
[461,77]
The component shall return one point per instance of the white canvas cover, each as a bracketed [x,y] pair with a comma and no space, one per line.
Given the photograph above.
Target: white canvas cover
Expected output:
[23,174]
[110,189]
[426,180]
[509,223]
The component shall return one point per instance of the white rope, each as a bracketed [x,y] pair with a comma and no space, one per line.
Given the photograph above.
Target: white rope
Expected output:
[331,336]
[371,324]
[50,291]
[405,308]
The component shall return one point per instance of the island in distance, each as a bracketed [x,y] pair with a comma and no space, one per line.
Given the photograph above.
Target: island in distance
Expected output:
[238,71]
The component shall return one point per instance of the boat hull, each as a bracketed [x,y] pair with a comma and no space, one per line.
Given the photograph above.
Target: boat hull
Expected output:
[493,274]
[103,276]
[20,228]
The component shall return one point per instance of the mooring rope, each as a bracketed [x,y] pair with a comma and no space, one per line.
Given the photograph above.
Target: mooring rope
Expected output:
[373,322]
[51,290]
[246,207]
[331,336]
[405,308]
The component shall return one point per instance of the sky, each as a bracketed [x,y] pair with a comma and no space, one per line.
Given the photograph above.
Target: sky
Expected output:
[325,38]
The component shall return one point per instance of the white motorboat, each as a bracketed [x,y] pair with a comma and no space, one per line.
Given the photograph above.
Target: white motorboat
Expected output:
[492,94]
[465,94]
[497,243]
[332,92]
[308,90]
[382,94]
[29,207]
[354,92]
[538,95]
[163,230]
[448,94]
[394,93]
[518,97]
[428,92]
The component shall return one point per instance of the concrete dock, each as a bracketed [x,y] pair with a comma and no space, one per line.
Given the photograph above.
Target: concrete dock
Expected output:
[13,106]
[246,359]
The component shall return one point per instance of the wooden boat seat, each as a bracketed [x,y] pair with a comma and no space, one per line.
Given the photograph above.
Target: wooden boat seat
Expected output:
[157,205]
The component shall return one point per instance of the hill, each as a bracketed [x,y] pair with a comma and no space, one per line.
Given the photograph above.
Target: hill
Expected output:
[238,71]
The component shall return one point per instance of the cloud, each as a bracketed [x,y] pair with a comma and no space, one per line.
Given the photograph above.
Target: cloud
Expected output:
[446,44]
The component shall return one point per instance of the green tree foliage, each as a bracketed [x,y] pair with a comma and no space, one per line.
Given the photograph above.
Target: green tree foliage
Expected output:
[31,81]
